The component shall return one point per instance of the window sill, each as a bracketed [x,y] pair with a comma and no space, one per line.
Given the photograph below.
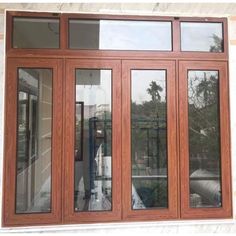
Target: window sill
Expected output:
[173,226]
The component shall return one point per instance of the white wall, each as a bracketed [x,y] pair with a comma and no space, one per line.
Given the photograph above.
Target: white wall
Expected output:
[207,226]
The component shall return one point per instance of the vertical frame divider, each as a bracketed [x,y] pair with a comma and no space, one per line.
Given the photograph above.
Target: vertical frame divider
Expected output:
[64,32]
[176,37]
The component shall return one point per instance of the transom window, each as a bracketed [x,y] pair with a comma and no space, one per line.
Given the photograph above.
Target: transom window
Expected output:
[115,118]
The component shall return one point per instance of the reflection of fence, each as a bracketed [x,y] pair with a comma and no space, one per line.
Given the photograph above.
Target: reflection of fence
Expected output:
[146,177]
[148,136]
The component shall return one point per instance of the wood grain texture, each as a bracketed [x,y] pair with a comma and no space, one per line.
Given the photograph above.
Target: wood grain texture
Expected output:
[178,112]
[226,210]
[9,31]
[116,55]
[10,218]
[64,32]
[70,216]
[176,35]
[64,47]
[154,214]
[63,61]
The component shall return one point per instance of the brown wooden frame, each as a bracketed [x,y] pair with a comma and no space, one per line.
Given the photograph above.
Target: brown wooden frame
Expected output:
[150,214]
[226,210]
[63,61]
[9,215]
[70,216]
[64,50]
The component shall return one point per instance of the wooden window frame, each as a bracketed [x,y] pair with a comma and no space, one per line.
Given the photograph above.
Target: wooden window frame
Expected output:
[104,17]
[10,158]
[71,216]
[186,211]
[176,53]
[62,58]
[149,214]
[211,20]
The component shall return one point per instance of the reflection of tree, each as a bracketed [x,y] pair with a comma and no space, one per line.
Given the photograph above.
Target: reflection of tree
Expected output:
[218,44]
[149,147]
[203,119]
[207,89]
[154,91]
[148,118]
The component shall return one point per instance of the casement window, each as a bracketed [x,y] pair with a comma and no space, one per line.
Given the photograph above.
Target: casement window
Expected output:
[115,118]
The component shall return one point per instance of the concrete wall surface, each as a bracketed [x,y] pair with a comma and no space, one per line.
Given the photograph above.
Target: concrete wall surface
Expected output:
[168,9]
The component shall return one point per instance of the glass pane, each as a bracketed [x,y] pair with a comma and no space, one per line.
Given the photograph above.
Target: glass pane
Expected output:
[35,33]
[204,138]
[120,35]
[93,140]
[33,191]
[205,37]
[149,139]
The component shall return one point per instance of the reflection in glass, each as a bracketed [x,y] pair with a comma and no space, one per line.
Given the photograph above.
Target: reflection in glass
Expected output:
[35,33]
[93,140]
[120,35]
[204,133]
[205,37]
[149,139]
[33,191]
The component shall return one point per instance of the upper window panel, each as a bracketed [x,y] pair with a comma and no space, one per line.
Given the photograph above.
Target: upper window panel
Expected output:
[203,37]
[35,33]
[120,35]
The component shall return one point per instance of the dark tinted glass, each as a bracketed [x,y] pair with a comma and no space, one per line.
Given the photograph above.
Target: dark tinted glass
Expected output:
[149,139]
[120,35]
[205,37]
[93,140]
[35,33]
[33,181]
[204,138]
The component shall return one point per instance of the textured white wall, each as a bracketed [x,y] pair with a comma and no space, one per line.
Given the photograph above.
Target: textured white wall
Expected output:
[206,226]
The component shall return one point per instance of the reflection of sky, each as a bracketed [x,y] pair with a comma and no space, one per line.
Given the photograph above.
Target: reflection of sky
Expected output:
[28,79]
[96,94]
[131,35]
[141,80]
[198,36]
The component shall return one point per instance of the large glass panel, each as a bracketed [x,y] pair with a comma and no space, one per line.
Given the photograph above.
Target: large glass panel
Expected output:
[204,138]
[149,139]
[120,35]
[205,37]
[93,141]
[33,181]
[35,33]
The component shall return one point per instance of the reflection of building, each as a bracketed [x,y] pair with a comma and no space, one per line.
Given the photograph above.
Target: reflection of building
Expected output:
[34,140]
[94,110]
[63,34]
[93,139]
[101,109]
